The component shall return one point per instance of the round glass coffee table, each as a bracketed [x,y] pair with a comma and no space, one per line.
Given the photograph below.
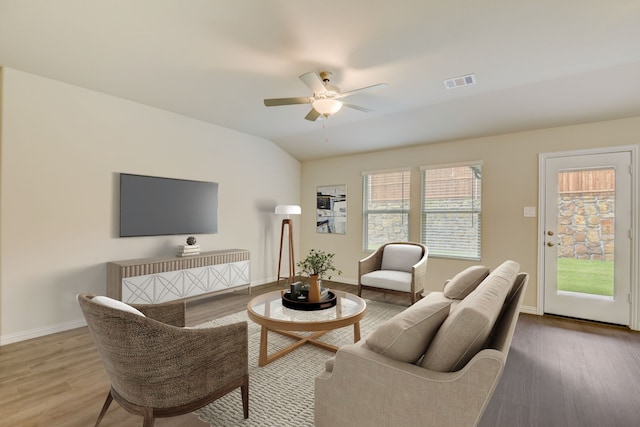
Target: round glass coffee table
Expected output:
[267,311]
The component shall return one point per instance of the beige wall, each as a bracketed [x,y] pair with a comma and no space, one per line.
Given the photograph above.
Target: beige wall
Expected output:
[62,147]
[510,182]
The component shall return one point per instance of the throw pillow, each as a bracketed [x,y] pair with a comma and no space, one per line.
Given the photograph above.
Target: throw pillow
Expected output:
[463,283]
[406,336]
[114,303]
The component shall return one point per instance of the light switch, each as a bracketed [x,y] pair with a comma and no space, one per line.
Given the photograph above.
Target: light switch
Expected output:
[530,211]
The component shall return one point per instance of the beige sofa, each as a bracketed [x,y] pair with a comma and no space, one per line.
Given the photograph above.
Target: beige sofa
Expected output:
[435,364]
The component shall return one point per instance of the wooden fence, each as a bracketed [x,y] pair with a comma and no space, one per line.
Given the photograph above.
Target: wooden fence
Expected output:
[587,181]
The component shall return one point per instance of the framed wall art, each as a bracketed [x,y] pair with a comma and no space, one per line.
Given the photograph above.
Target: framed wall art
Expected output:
[331,208]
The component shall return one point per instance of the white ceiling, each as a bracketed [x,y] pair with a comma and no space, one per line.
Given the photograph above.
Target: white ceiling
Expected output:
[538,63]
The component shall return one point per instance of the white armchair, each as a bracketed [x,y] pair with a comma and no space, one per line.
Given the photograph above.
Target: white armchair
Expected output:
[395,267]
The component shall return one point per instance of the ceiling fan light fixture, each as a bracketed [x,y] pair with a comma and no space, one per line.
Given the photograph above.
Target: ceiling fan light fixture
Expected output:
[325,96]
[326,107]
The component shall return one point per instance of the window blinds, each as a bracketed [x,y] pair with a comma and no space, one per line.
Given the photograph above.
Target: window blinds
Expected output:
[386,207]
[451,211]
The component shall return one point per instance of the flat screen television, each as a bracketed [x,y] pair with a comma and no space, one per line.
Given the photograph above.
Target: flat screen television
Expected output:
[155,206]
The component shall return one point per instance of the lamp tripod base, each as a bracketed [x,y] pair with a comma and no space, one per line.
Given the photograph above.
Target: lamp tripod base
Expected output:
[286,223]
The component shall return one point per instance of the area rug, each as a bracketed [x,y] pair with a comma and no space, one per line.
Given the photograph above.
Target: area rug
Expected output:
[281,394]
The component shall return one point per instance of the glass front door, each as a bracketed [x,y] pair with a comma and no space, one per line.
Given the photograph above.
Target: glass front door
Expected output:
[587,236]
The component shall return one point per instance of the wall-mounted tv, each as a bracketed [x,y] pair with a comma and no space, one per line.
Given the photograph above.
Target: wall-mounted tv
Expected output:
[155,206]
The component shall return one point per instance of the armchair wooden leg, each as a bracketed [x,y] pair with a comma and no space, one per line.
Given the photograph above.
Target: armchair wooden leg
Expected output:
[417,296]
[148,418]
[107,402]
[244,389]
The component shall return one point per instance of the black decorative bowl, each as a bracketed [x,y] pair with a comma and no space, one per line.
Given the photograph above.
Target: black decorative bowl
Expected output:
[304,304]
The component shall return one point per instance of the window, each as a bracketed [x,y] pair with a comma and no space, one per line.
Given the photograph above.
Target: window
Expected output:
[386,207]
[451,210]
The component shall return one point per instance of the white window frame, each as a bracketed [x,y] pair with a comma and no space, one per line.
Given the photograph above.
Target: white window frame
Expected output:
[476,209]
[366,212]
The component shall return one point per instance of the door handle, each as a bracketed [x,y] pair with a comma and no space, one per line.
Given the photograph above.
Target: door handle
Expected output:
[550,244]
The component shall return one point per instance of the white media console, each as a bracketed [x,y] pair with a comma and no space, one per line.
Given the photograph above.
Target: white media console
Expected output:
[157,280]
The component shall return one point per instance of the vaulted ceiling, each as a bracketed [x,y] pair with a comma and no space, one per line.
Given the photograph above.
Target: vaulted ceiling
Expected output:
[537,64]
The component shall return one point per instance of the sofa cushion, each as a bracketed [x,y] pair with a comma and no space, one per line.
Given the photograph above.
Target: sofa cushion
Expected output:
[114,303]
[400,257]
[405,336]
[388,279]
[463,283]
[466,330]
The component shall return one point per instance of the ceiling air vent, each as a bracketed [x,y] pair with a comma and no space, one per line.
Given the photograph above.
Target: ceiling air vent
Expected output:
[468,80]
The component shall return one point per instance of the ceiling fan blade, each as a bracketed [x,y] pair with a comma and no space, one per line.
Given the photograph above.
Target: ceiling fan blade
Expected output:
[357,107]
[313,115]
[314,82]
[274,102]
[351,92]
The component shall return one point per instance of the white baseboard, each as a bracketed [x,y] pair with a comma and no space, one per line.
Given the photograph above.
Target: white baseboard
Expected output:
[345,280]
[40,332]
[528,310]
[263,281]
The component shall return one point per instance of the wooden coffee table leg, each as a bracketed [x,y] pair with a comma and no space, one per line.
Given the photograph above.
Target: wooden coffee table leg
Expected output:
[264,358]
[264,333]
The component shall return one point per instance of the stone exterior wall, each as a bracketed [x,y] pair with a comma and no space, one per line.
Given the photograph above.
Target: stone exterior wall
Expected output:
[388,227]
[586,226]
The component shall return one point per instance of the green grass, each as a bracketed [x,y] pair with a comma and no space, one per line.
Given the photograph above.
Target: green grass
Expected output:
[585,276]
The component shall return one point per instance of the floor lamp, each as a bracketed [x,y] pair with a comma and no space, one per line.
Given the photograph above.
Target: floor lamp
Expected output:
[287,210]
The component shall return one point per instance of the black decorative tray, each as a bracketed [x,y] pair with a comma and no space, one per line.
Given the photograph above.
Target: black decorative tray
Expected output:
[304,304]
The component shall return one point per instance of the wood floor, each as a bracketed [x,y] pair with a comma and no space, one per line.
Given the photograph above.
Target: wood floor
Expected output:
[559,373]
[568,373]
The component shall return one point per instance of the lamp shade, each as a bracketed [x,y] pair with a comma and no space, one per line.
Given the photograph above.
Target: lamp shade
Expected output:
[288,210]
[326,106]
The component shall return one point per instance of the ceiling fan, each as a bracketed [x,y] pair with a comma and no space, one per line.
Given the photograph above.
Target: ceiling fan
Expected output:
[326,98]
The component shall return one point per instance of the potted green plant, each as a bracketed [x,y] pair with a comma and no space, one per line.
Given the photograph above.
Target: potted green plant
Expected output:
[316,265]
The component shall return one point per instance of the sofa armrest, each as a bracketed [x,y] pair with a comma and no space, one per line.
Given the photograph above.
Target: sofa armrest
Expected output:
[367,388]
[370,263]
[419,274]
